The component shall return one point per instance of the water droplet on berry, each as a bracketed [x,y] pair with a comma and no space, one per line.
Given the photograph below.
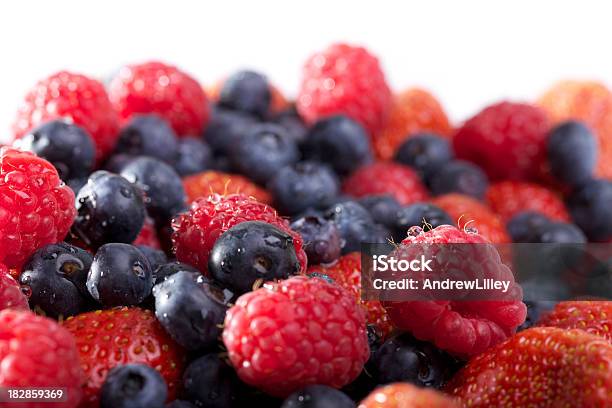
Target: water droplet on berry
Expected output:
[414,231]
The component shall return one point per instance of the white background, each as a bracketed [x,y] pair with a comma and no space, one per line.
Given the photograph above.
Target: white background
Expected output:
[469,53]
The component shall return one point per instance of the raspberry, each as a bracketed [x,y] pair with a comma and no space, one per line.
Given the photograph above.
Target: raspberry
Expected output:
[346,272]
[196,231]
[594,317]
[295,333]
[406,395]
[471,213]
[216,182]
[414,110]
[37,352]
[155,87]
[77,98]
[508,140]
[590,102]
[347,80]
[11,295]
[463,328]
[148,235]
[539,367]
[381,178]
[36,209]
[109,338]
[507,198]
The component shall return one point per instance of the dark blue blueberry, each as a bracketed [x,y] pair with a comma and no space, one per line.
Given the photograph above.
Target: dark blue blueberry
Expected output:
[194,156]
[68,147]
[263,151]
[321,239]
[355,225]
[525,226]
[148,135]
[339,142]
[117,162]
[120,275]
[252,251]
[76,184]
[535,309]
[56,276]
[560,233]
[424,215]
[156,257]
[382,208]
[248,92]
[110,209]
[572,153]
[180,404]
[318,396]
[210,382]
[425,153]
[225,129]
[591,209]
[191,309]
[458,176]
[163,188]
[170,268]
[290,120]
[303,185]
[133,386]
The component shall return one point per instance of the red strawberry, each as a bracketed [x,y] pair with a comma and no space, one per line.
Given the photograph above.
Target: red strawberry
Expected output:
[216,182]
[507,198]
[592,316]
[107,338]
[539,367]
[11,295]
[386,178]
[406,395]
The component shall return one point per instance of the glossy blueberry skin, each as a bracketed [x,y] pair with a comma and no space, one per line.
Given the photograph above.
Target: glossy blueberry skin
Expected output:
[382,208]
[525,226]
[250,251]
[110,209]
[117,162]
[170,268]
[194,156]
[356,226]
[56,276]
[318,396]
[263,151]
[156,257]
[148,135]
[572,153]
[425,153]
[591,209]
[321,238]
[290,120]
[191,309]
[68,147]
[248,92]
[120,275]
[424,215]
[133,386]
[560,233]
[338,141]
[226,128]
[303,185]
[458,176]
[210,382]
[162,186]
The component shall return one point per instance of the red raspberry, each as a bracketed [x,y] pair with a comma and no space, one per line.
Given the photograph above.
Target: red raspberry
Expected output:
[155,87]
[386,178]
[414,110]
[344,80]
[108,338]
[346,272]
[11,295]
[295,333]
[36,209]
[196,231]
[594,317]
[506,198]
[148,235]
[216,182]
[539,367]
[463,328]
[74,97]
[406,395]
[37,352]
[508,140]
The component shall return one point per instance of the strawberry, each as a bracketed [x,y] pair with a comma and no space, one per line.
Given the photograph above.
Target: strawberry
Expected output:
[216,182]
[406,395]
[592,316]
[507,198]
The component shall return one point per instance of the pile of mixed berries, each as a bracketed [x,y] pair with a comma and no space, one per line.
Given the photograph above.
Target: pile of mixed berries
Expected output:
[166,245]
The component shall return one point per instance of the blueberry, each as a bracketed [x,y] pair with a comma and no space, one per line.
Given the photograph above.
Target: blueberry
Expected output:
[250,251]
[339,142]
[318,396]
[110,209]
[163,188]
[191,309]
[591,209]
[303,185]
[120,275]
[382,208]
[194,156]
[117,162]
[572,153]
[560,233]
[321,239]
[248,92]
[535,310]
[56,275]
[355,225]
[525,226]
[210,382]
[170,268]
[263,151]
[290,120]
[458,176]
[156,257]
[133,386]
[68,147]
[76,184]
[225,129]
[424,215]
[403,358]
[148,135]
[180,404]
[425,153]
